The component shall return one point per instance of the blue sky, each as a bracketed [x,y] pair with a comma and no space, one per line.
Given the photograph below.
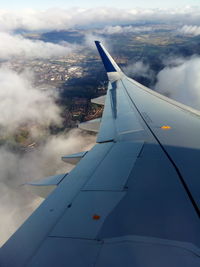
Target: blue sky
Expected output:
[43,4]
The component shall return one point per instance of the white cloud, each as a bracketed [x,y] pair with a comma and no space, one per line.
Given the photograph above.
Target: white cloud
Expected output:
[172,61]
[181,82]
[193,30]
[91,37]
[18,46]
[62,19]
[138,68]
[20,102]
[124,29]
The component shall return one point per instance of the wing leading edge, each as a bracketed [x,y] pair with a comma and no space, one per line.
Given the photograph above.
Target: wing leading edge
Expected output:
[132,200]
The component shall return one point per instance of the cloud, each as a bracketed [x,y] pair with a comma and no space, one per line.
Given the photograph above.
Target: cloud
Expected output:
[124,29]
[193,30]
[62,19]
[12,46]
[138,68]
[172,61]
[21,102]
[15,207]
[16,201]
[91,37]
[181,82]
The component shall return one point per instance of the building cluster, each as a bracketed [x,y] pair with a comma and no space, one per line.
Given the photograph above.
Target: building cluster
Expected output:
[50,71]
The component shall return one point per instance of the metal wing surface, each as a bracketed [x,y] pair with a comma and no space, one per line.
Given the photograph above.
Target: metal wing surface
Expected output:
[133,200]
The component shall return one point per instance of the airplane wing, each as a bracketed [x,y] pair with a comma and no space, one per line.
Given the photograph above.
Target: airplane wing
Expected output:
[133,200]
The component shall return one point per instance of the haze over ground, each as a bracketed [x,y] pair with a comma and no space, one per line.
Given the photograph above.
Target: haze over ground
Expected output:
[20,101]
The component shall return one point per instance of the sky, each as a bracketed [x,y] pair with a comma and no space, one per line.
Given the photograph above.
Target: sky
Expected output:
[44,4]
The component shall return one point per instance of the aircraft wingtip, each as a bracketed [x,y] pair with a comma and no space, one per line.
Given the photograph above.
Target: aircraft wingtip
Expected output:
[109,63]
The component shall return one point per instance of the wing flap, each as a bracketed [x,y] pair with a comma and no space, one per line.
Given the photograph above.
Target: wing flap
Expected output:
[123,154]
[92,209]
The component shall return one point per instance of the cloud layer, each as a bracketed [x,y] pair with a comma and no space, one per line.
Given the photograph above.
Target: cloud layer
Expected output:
[62,19]
[113,21]
[190,30]
[138,69]
[21,102]
[124,29]
[181,82]
[16,46]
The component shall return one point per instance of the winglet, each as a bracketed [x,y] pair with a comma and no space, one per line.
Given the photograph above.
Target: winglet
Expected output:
[109,63]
